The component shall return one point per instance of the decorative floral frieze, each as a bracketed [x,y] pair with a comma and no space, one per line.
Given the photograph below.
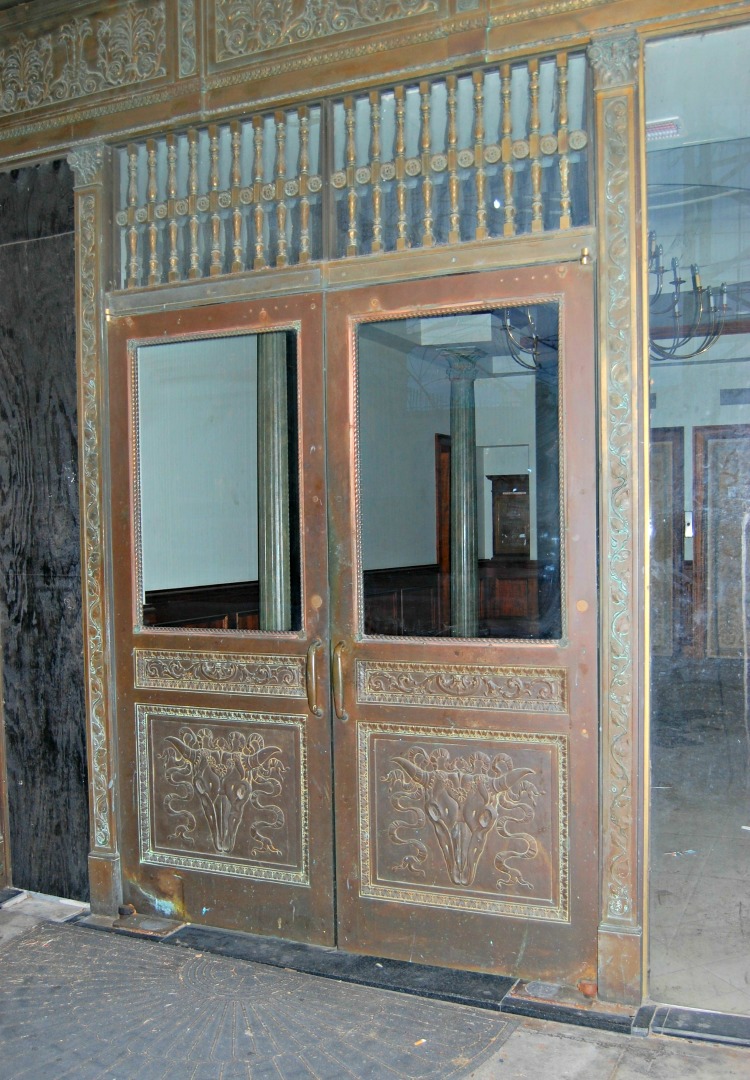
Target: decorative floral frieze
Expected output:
[473,686]
[247,27]
[82,57]
[225,673]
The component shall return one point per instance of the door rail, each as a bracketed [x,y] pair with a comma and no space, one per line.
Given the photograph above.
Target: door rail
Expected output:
[496,151]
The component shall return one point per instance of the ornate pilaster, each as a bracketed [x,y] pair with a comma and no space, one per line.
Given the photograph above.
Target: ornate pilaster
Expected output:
[462,372]
[273,484]
[90,165]
[615,62]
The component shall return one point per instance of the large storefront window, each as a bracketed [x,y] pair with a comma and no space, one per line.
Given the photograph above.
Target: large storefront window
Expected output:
[698,130]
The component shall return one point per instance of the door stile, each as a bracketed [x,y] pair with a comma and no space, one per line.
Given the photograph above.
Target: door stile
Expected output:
[241,712]
[405,704]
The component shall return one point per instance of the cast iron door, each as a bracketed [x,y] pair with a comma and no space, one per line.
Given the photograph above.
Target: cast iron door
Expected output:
[465,726]
[220,580]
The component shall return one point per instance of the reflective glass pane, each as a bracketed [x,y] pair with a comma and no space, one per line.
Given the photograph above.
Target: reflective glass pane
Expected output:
[459,484]
[217,452]
[699,273]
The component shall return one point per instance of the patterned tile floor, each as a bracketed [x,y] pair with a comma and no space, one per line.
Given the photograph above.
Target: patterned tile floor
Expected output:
[80,1004]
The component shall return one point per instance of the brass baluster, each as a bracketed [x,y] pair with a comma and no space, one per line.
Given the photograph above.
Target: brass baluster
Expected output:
[480,232]
[537,223]
[402,241]
[304,173]
[351,175]
[376,151]
[173,273]
[259,262]
[509,224]
[134,262]
[235,129]
[282,257]
[213,185]
[562,139]
[454,227]
[154,275]
[428,235]
[194,270]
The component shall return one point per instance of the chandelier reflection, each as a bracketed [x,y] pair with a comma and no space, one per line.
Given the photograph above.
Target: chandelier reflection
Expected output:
[523,341]
[684,323]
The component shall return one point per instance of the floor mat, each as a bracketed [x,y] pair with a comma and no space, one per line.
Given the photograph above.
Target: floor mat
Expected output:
[74,1003]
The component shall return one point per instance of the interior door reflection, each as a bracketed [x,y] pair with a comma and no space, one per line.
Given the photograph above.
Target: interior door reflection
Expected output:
[459,477]
[216,499]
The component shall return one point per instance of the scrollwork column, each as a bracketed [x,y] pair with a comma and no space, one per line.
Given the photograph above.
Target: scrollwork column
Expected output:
[91,170]
[616,67]
[462,372]
[273,484]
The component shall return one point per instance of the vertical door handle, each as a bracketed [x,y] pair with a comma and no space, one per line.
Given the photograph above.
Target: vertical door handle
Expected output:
[311,677]
[338,683]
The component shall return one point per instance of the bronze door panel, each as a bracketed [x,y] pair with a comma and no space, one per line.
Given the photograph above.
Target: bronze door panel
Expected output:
[465,747]
[222,727]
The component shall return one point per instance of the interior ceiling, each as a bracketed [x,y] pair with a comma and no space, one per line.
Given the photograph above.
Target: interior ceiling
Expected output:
[702,80]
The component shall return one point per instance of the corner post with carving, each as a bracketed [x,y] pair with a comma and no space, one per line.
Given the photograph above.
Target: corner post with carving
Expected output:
[616,65]
[91,169]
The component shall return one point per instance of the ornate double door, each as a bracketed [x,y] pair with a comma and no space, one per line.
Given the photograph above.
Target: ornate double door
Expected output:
[355,618]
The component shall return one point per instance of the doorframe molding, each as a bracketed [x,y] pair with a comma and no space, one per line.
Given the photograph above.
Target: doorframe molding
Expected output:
[91,165]
[620,199]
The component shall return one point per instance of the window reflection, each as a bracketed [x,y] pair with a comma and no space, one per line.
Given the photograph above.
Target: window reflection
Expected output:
[459,474]
[217,451]
[699,214]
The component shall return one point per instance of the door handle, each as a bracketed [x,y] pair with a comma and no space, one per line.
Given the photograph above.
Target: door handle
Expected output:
[338,683]
[311,677]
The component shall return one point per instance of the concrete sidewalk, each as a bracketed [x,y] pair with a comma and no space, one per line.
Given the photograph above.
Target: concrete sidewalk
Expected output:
[79,1003]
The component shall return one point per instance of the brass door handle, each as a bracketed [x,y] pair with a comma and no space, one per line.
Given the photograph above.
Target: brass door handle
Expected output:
[311,677]
[338,683]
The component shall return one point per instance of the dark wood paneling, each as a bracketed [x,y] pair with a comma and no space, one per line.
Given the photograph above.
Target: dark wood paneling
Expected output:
[40,588]
[234,606]
[405,600]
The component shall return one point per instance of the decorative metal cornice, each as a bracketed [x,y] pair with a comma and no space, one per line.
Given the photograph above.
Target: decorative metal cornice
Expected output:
[87,163]
[614,61]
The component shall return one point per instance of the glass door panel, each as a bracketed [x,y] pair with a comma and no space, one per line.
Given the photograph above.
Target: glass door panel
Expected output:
[480,390]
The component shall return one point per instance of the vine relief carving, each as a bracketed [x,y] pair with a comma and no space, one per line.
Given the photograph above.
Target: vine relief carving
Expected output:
[82,57]
[228,774]
[516,689]
[230,673]
[464,799]
[615,61]
[187,44]
[247,27]
[86,208]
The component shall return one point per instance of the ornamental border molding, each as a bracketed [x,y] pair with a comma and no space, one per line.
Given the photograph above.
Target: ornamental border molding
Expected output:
[553,7]
[55,67]
[93,559]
